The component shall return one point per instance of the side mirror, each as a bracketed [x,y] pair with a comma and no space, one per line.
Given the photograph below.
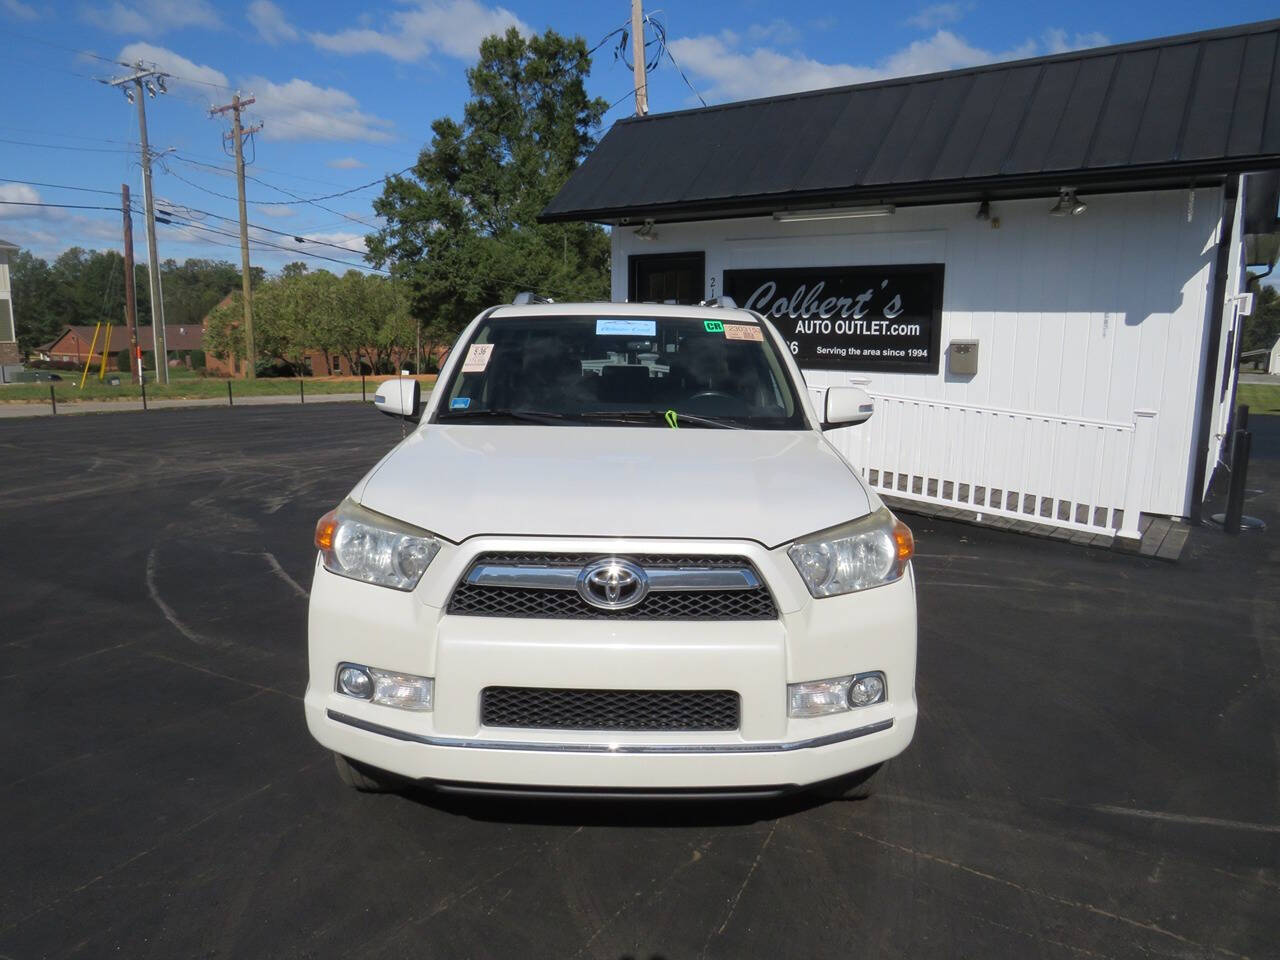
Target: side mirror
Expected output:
[399,397]
[847,406]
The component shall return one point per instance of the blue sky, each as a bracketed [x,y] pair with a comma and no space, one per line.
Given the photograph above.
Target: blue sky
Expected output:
[346,98]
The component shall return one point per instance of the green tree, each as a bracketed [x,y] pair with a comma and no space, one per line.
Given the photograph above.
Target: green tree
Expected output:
[461,230]
[1262,327]
[37,316]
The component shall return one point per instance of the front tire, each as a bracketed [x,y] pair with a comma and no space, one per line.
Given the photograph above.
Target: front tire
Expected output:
[858,785]
[363,778]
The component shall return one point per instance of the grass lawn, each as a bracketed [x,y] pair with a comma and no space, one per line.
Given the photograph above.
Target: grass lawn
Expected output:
[186,387]
[1261,397]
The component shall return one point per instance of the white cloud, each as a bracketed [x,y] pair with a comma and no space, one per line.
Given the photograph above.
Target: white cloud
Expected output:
[1059,41]
[937,15]
[19,10]
[150,17]
[272,25]
[15,193]
[738,72]
[348,241]
[186,73]
[274,211]
[300,110]
[453,27]
[346,163]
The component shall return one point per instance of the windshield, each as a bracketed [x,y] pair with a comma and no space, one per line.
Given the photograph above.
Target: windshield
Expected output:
[622,371]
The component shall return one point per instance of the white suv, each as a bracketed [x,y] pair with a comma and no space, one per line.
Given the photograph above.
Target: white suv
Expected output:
[616,557]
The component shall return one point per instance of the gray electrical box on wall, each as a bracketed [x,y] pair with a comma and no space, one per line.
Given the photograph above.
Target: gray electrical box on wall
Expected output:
[962,357]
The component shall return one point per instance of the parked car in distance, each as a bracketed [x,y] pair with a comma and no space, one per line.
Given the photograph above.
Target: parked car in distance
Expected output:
[617,556]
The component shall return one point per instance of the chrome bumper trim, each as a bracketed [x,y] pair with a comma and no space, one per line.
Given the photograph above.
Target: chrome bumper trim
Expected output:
[667,748]
[515,577]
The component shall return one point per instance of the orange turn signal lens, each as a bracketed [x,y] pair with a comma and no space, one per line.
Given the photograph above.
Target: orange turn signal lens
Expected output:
[905,541]
[325,528]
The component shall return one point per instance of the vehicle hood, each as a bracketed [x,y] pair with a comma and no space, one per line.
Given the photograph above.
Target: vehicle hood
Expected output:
[462,481]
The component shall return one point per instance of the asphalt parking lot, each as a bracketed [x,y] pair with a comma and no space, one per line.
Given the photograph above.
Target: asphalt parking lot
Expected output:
[1096,772]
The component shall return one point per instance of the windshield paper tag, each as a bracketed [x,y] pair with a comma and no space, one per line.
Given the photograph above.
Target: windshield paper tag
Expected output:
[459,403]
[713,326]
[743,331]
[477,357]
[626,328]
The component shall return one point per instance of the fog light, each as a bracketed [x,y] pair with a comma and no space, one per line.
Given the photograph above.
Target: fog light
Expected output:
[818,697]
[354,682]
[402,690]
[866,689]
[405,691]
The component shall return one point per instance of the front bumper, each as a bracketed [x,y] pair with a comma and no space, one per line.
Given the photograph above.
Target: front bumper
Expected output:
[872,630]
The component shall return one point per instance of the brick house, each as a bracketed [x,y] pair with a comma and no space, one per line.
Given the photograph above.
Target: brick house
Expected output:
[75,343]
[8,324]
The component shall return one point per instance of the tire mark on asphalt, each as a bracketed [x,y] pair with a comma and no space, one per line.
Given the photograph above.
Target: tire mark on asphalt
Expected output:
[64,663]
[279,571]
[168,611]
[224,676]
[1052,897]
[1185,818]
[733,904]
[14,924]
[630,904]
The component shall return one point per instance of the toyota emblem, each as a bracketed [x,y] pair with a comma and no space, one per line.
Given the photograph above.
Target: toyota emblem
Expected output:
[612,584]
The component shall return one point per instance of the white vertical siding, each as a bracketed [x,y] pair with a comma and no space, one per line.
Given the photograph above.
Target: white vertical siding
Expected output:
[1232,324]
[7,332]
[1089,317]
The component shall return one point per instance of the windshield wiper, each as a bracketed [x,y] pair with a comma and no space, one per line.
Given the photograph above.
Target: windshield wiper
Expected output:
[530,416]
[630,416]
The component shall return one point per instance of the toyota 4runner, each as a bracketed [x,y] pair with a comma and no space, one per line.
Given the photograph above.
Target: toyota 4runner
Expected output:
[617,556]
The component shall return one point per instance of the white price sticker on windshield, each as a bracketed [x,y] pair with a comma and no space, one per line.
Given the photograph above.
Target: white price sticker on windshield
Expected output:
[743,331]
[477,357]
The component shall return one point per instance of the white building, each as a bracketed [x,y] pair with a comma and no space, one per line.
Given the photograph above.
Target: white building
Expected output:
[1036,268]
[8,328]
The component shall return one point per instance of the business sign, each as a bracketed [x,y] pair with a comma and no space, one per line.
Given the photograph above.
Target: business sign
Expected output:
[850,318]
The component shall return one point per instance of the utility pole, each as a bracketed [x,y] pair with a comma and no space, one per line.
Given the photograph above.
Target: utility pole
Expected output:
[638,57]
[238,134]
[130,302]
[148,81]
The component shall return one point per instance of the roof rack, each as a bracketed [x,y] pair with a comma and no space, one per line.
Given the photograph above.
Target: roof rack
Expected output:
[727,302]
[526,297]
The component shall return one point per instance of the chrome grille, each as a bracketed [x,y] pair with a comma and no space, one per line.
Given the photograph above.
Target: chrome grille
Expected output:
[567,709]
[542,603]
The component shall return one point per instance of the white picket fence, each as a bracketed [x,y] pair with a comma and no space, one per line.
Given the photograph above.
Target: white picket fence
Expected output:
[1070,472]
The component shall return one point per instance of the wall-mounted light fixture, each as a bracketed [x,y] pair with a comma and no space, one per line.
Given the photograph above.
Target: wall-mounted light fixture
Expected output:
[1068,203]
[984,211]
[646,232]
[838,213]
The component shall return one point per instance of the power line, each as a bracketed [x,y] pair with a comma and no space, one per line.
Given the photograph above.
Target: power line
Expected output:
[58,186]
[297,199]
[277,246]
[255,226]
[63,206]
[64,146]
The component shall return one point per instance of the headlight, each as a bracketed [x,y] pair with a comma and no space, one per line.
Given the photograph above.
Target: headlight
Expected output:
[855,556]
[363,545]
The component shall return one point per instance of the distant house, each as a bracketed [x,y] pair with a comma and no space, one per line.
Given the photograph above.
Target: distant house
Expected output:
[8,326]
[1274,366]
[75,343]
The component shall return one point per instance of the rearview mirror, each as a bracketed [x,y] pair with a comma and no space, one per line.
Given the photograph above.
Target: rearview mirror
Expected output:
[399,397]
[847,406]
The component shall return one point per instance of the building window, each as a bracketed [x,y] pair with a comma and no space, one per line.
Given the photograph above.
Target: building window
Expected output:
[667,278]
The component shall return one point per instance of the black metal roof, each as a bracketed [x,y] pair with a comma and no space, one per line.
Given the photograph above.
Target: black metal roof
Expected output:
[1159,112]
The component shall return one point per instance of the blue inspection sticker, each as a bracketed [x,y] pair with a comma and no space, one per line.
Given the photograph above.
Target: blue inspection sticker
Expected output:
[626,328]
[459,403]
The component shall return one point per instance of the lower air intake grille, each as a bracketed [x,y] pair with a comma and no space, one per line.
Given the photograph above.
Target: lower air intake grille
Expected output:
[552,708]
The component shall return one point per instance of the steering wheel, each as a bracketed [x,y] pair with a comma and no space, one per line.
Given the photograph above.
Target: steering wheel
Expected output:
[713,393]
